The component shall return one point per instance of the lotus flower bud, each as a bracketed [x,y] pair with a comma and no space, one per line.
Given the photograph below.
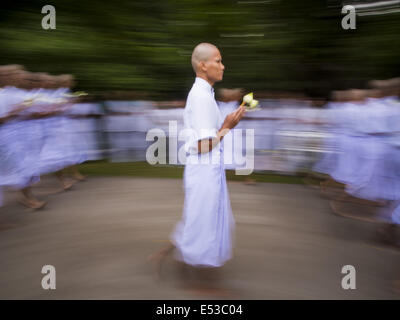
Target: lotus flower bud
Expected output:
[248,98]
[253,104]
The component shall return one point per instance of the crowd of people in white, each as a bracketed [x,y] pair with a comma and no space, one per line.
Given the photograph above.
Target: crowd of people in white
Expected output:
[42,130]
[354,139]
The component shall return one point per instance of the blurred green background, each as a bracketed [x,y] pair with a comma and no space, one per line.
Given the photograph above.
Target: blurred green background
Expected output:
[145,47]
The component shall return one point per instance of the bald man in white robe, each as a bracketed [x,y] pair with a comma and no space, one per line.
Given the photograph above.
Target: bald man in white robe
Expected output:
[204,236]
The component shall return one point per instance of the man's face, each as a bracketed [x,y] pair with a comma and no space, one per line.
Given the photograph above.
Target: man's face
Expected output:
[214,67]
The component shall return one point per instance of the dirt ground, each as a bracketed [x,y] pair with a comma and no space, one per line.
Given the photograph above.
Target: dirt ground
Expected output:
[288,244]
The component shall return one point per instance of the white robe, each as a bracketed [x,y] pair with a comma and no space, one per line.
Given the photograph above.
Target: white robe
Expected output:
[203,237]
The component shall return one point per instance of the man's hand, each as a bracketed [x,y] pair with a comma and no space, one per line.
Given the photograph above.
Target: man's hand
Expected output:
[233,118]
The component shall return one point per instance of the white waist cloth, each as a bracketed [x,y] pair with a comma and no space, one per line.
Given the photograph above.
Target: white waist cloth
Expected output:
[204,236]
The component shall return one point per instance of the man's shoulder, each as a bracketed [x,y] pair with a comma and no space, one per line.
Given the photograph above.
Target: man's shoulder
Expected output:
[199,94]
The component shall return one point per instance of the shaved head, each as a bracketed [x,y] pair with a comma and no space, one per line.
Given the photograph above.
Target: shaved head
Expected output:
[202,53]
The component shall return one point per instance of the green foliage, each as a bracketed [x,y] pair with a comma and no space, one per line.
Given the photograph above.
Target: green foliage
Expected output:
[145,46]
[143,169]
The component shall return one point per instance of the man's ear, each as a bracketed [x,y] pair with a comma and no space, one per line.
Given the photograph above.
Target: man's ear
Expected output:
[202,66]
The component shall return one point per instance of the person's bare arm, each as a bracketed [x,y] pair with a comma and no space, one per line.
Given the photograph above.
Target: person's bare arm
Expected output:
[14,113]
[230,122]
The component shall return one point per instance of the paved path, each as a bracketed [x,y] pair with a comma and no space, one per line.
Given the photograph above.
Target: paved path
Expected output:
[288,244]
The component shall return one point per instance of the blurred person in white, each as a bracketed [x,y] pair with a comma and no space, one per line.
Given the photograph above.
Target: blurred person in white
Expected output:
[18,148]
[339,116]
[58,153]
[369,165]
[34,138]
[204,237]
[388,92]
[76,157]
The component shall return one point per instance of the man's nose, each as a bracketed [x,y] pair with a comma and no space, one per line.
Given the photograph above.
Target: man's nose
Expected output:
[223,67]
